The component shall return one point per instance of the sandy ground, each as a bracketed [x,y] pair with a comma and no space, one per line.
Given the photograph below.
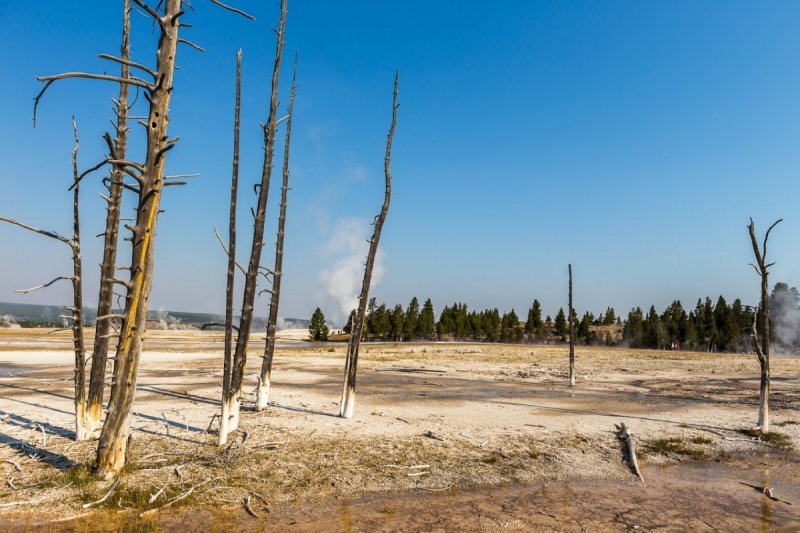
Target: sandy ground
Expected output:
[505,414]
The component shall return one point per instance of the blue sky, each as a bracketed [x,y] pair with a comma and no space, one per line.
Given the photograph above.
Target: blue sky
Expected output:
[632,139]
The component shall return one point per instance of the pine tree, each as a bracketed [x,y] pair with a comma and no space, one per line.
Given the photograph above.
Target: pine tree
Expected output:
[348,328]
[584,330]
[491,325]
[397,319]
[633,332]
[426,322]
[380,322]
[533,326]
[412,317]
[318,330]
[561,325]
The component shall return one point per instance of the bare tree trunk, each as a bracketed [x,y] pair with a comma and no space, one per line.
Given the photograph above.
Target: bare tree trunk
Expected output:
[76,310]
[571,334]
[82,431]
[262,391]
[232,400]
[114,437]
[228,361]
[351,363]
[105,300]
[762,351]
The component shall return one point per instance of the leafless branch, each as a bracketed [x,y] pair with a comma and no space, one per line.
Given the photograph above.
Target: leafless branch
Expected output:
[126,163]
[233,9]
[149,10]
[108,317]
[182,176]
[86,172]
[766,237]
[225,249]
[127,62]
[50,79]
[26,291]
[190,43]
[51,234]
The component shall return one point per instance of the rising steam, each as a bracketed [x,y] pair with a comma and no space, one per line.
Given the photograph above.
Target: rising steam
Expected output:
[785,316]
[348,248]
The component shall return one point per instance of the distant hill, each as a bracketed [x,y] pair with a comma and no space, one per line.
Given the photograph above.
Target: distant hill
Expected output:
[30,315]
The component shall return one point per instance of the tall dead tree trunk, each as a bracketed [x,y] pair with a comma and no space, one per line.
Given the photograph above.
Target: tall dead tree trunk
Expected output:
[229,287]
[76,310]
[762,351]
[262,391]
[114,436]
[229,421]
[82,429]
[571,334]
[117,150]
[351,363]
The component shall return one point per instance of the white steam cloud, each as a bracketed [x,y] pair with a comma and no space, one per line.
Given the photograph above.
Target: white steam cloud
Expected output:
[341,284]
[785,317]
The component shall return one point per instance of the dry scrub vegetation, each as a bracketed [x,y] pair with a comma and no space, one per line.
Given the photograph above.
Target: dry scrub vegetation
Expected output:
[430,417]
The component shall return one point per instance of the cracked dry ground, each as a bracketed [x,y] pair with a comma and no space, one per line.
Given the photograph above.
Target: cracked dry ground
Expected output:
[521,450]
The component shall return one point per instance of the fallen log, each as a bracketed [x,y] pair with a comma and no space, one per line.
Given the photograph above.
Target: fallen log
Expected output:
[627,438]
[766,491]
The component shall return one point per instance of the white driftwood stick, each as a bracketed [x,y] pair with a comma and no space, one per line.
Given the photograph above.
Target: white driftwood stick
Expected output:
[627,438]
[179,498]
[104,498]
[155,496]
[14,463]
[44,435]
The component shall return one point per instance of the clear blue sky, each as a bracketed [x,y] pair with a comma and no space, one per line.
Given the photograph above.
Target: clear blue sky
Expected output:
[632,139]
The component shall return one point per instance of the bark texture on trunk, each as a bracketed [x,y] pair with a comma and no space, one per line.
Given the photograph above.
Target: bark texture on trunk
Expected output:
[82,431]
[114,437]
[254,268]
[224,427]
[571,334]
[762,349]
[105,300]
[264,379]
[347,405]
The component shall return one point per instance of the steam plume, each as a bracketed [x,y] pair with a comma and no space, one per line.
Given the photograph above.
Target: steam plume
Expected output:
[348,248]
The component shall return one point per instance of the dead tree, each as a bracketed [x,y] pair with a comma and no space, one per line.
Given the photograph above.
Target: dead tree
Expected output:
[351,363]
[76,310]
[232,390]
[571,334]
[262,391]
[117,150]
[149,185]
[229,287]
[762,351]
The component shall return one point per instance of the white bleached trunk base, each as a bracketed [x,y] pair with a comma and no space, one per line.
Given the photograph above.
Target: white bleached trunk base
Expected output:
[262,394]
[763,410]
[348,403]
